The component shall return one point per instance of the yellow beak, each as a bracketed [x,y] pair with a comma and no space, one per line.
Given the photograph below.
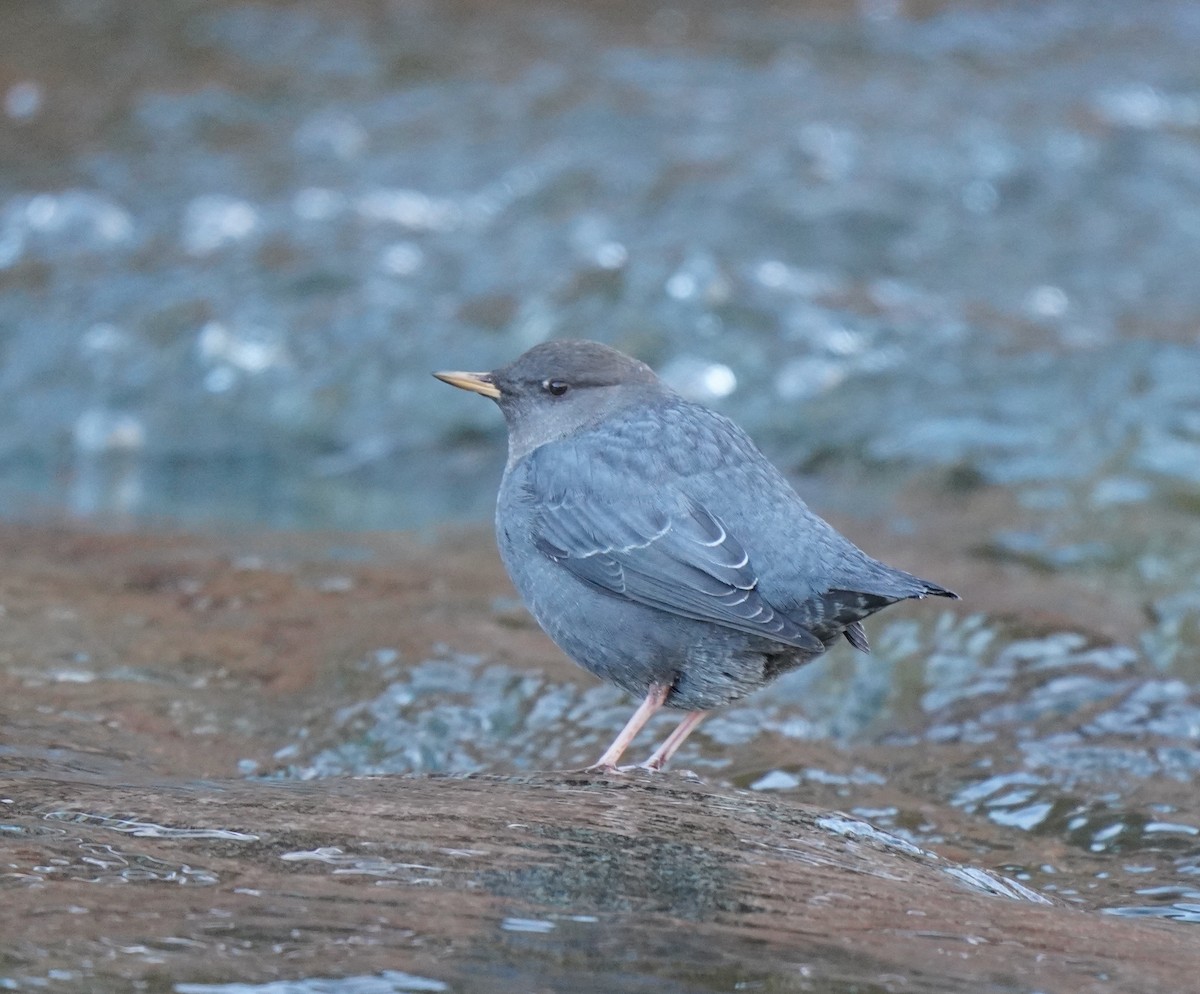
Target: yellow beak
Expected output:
[475,382]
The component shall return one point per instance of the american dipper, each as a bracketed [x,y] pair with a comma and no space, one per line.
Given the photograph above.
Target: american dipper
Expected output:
[657,546]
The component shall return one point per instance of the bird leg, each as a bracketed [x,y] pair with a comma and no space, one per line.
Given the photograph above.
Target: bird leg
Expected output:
[673,741]
[646,710]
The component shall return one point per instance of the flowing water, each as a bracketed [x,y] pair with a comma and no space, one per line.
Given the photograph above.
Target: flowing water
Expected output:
[939,259]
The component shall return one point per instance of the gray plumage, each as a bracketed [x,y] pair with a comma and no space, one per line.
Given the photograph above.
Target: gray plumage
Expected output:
[653,541]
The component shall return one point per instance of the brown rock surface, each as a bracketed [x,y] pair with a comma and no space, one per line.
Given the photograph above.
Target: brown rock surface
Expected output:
[137,671]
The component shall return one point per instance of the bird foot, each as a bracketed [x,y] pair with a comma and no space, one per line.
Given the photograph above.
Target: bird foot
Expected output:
[604,769]
[646,767]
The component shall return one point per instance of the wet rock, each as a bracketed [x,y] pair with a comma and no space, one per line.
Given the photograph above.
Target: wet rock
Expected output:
[426,873]
[163,698]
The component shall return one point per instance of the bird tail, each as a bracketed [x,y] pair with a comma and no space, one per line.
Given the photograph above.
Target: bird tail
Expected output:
[930,589]
[902,586]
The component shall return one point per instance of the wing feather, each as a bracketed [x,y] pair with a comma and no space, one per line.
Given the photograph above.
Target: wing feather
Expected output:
[680,559]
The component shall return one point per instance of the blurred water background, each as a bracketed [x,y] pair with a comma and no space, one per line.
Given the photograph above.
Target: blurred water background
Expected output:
[930,238]
[939,258]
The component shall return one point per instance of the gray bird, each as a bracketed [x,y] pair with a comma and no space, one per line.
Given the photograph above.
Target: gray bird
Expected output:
[657,546]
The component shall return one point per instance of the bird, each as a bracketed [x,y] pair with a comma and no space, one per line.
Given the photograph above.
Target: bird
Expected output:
[659,548]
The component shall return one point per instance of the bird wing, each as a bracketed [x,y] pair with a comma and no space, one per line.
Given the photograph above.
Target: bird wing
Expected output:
[666,553]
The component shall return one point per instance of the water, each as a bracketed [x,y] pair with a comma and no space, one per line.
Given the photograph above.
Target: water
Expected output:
[937,258]
[228,763]
[882,237]
[1052,737]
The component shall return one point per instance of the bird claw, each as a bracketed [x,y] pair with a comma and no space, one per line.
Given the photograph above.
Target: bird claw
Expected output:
[611,770]
[604,769]
[644,767]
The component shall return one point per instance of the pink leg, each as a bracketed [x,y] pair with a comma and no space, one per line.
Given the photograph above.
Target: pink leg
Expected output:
[654,700]
[664,752]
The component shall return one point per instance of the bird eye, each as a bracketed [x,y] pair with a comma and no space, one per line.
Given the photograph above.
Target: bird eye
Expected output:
[555,387]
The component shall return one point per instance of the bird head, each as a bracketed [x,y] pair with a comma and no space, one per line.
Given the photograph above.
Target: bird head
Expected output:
[560,387]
